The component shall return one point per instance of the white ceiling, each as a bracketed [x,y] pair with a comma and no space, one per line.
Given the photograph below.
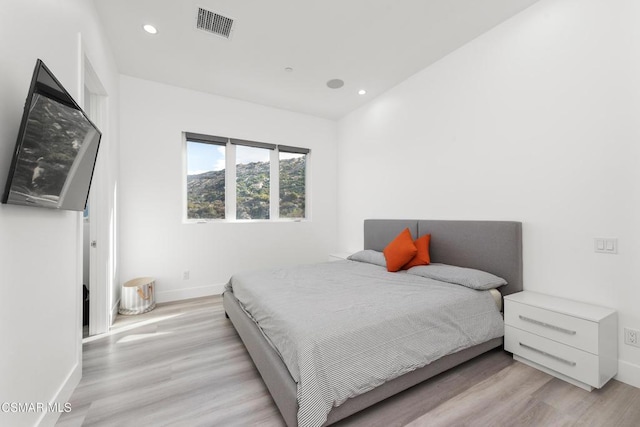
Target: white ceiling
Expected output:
[370,44]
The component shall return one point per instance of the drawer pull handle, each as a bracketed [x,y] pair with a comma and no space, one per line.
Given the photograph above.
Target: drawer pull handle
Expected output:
[546,325]
[544,353]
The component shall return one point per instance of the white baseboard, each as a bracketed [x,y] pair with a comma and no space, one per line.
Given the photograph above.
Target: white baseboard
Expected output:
[628,373]
[187,293]
[62,396]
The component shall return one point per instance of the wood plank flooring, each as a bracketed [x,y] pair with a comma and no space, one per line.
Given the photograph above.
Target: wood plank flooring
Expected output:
[184,365]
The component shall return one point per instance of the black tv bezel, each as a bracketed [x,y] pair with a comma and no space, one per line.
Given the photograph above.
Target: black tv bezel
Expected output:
[64,98]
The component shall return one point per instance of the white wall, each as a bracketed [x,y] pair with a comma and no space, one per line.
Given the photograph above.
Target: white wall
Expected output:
[155,241]
[535,121]
[41,250]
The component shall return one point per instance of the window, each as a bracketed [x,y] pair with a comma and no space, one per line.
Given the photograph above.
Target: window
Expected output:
[206,180]
[292,174]
[253,176]
[245,180]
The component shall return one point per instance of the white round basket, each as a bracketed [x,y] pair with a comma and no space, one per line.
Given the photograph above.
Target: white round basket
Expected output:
[138,296]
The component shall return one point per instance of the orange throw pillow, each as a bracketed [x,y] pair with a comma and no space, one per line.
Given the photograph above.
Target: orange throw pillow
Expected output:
[400,251]
[422,257]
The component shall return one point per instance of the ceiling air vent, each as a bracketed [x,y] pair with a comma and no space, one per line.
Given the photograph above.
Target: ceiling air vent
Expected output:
[214,23]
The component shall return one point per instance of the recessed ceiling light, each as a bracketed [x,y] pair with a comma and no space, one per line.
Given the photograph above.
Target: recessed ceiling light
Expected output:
[335,83]
[288,69]
[150,29]
[362,92]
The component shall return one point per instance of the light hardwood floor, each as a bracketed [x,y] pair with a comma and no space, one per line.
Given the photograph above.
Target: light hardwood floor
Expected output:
[183,364]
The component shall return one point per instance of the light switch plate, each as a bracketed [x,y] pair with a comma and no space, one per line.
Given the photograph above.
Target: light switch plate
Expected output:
[605,245]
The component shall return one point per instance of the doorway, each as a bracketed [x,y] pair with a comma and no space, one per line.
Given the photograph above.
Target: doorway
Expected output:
[96,285]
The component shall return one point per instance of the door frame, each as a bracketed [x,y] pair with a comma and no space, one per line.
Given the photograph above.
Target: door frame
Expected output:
[99,285]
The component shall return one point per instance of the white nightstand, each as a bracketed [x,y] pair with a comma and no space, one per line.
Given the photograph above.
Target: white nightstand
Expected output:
[338,256]
[573,341]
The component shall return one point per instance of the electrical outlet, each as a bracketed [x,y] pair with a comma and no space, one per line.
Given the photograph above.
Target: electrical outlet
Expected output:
[631,337]
[185,275]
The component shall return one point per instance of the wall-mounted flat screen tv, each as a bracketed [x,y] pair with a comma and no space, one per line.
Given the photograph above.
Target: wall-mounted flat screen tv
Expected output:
[56,150]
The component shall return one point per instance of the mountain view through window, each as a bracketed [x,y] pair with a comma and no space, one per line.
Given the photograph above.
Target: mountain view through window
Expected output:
[206,184]
[205,181]
[252,182]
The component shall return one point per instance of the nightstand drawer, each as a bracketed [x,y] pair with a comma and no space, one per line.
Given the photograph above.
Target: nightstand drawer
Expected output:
[566,360]
[569,330]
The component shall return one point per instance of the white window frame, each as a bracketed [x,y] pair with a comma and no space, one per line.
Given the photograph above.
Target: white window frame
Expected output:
[274,185]
[230,190]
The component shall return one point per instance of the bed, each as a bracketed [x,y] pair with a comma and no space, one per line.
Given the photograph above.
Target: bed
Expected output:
[491,246]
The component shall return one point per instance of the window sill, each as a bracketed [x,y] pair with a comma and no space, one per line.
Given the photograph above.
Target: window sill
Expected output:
[244,221]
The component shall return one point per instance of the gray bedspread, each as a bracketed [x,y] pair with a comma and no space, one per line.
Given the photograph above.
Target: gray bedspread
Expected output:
[343,328]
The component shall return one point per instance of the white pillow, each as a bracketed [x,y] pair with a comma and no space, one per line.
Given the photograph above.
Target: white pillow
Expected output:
[370,257]
[469,277]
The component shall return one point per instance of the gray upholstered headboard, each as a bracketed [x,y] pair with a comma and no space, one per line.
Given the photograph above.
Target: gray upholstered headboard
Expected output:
[492,246]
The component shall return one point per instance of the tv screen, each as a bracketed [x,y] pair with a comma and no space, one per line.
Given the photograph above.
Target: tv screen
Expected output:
[56,150]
